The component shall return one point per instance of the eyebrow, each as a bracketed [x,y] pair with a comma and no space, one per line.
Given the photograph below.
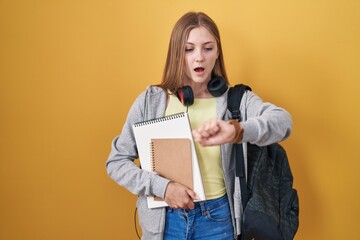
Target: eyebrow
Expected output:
[201,44]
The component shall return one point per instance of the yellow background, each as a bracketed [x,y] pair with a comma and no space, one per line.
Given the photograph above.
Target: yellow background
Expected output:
[69,71]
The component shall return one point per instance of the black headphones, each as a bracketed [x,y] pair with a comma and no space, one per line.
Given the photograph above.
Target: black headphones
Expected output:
[216,86]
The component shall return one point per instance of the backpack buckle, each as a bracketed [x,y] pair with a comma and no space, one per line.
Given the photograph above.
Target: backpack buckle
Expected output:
[235,114]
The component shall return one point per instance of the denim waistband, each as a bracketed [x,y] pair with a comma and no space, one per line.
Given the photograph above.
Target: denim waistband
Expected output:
[203,206]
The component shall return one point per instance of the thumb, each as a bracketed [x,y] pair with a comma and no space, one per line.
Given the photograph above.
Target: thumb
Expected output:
[192,194]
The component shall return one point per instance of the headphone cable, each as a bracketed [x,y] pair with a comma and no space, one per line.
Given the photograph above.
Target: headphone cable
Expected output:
[136,230]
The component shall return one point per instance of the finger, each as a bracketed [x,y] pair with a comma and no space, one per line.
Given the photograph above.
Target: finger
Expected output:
[201,142]
[213,129]
[206,143]
[191,205]
[186,203]
[203,130]
[192,194]
[215,140]
[199,138]
[196,135]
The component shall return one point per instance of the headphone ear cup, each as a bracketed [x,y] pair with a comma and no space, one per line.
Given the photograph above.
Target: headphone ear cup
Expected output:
[217,86]
[185,95]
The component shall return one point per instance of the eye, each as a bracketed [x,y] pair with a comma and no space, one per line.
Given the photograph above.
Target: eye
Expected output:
[188,49]
[208,48]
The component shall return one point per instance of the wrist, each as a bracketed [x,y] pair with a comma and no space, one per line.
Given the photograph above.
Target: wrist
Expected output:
[239,131]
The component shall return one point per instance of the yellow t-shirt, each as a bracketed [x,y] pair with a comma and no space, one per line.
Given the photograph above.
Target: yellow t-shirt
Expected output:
[209,157]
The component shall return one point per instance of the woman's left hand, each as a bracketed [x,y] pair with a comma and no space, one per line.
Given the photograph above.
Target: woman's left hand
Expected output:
[214,132]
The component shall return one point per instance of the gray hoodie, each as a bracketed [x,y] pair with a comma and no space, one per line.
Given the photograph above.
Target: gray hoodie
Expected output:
[263,123]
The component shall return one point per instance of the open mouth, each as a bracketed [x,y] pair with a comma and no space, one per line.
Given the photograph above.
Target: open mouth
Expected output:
[199,69]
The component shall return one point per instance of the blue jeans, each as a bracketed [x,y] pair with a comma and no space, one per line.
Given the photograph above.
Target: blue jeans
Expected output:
[210,220]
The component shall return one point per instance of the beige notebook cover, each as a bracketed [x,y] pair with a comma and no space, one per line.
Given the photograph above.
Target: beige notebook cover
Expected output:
[171,159]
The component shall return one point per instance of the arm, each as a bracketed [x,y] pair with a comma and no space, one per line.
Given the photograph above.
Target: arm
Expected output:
[122,169]
[263,123]
[120,164]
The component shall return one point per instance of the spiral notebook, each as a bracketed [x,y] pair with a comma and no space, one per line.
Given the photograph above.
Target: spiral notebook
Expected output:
[172,126]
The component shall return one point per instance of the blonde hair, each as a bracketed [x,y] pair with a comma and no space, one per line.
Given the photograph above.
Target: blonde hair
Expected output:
[175,68]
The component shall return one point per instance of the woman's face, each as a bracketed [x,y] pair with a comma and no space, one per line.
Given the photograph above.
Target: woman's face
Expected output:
[201,53]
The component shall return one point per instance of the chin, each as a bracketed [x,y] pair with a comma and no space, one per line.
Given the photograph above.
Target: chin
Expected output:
[198,79]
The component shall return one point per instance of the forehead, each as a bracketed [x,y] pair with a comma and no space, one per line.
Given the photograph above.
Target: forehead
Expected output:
[200,35]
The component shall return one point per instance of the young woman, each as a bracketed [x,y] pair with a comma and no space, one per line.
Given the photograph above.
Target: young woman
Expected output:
[194,58]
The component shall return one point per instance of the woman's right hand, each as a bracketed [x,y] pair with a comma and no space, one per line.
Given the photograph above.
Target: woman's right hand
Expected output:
[178,196]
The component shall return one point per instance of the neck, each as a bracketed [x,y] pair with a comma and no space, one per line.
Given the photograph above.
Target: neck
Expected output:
[200,90]
[201,93]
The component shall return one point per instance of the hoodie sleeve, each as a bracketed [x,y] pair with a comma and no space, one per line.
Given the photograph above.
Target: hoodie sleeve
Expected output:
[263,122]
[120,165]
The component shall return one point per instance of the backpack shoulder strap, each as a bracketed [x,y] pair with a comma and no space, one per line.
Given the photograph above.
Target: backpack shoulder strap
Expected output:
[235,95]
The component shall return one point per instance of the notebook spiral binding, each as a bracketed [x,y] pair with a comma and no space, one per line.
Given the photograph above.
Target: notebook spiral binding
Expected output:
[162,119]
[152,157]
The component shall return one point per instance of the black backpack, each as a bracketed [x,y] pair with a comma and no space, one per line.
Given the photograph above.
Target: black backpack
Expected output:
[270,203]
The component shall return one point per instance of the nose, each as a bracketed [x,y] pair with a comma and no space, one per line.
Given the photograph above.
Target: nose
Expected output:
[199,56]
